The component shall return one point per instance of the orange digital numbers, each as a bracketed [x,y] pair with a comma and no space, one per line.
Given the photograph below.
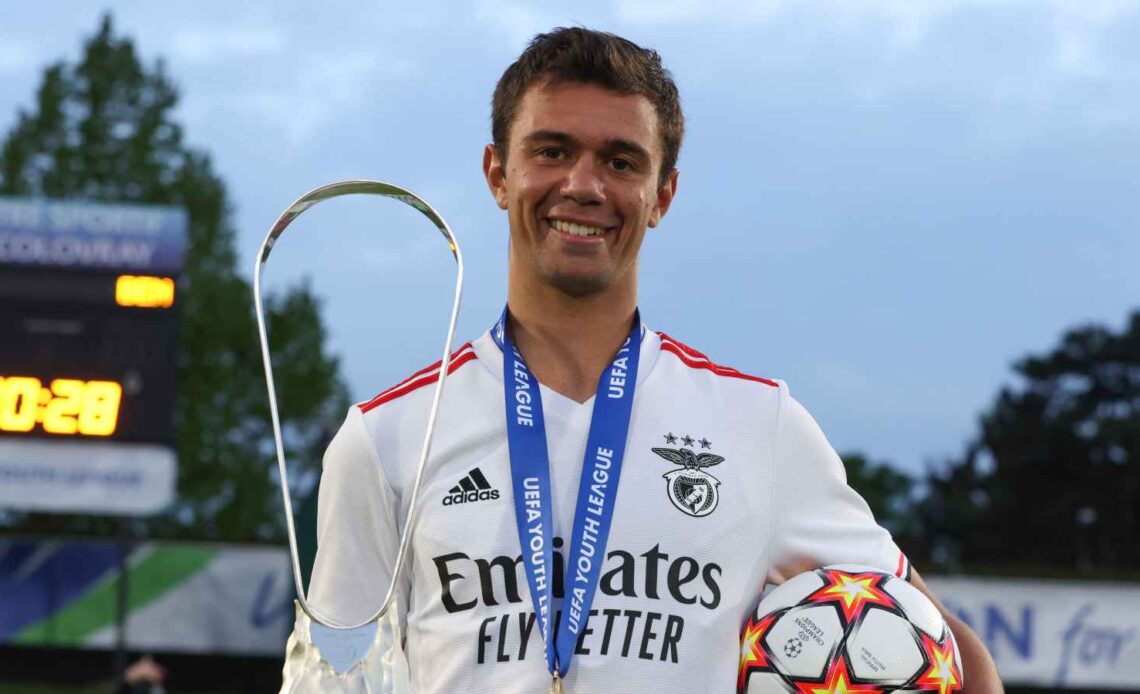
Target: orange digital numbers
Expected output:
[143,291]
[19,400]
[61,411]
[100,411]
[68,407]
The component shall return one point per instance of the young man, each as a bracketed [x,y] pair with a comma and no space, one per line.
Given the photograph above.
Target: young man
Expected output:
[593,485]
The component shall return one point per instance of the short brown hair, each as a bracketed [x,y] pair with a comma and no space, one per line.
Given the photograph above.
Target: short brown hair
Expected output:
[590,57]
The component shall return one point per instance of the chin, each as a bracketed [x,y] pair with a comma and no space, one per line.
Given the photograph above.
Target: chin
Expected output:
[578,286]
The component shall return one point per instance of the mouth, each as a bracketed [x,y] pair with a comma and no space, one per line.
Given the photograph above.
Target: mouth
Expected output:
[577,229]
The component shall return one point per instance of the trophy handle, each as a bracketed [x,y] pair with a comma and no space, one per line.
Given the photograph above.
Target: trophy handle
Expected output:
[327,192]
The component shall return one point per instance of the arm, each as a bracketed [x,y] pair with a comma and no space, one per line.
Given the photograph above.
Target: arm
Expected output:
[817,519]
[810,475]
[357,530]
[980,672]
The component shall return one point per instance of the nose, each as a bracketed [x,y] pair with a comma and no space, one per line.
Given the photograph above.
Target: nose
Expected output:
[583,182]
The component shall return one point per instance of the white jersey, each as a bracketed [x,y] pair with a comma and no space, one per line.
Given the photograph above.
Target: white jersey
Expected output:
[690,549]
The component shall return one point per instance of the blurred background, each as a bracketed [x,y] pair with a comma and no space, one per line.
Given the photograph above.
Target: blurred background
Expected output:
[923,216]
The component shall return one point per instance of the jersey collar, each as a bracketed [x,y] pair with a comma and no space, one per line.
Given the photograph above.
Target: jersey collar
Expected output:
[489,354]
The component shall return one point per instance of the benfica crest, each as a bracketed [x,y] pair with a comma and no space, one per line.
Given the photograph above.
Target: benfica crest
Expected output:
[691,489]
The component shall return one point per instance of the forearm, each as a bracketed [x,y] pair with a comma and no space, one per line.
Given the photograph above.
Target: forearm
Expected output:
[980,671]
[978,666]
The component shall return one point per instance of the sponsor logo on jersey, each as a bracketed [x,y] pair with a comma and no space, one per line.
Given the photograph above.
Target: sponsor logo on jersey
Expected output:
[667,587]
[691,490]
[473,487]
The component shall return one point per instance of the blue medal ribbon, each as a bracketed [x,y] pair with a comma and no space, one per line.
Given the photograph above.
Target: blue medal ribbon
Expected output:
[597,488]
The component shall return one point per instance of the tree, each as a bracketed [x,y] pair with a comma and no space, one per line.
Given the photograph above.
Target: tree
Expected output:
[885,489]
[103,130]
[1053,477]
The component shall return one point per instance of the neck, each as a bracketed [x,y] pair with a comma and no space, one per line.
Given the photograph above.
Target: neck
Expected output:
[568,342]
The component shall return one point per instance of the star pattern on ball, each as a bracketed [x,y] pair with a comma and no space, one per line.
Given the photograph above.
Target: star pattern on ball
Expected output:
[687,440]
[670,438]
[752,655]
[838,682]
[943,675]
[853,592]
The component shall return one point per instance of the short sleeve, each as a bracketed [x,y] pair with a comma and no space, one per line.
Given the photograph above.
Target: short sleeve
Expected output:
[817,518]
[357,532]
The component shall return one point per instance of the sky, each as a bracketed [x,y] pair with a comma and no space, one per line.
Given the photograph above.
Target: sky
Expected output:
[886,204]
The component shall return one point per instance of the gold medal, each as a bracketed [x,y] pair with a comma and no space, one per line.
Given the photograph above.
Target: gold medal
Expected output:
[556,684]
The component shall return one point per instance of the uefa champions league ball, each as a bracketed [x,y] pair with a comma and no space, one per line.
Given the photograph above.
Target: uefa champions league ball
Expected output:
[847,628]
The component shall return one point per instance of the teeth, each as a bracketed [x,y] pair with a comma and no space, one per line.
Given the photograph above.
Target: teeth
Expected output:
[575,229]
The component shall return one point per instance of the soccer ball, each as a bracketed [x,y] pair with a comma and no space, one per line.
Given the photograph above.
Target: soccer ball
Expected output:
[847,628]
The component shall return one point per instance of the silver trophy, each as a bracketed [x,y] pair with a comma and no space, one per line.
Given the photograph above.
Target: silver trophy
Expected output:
[366,657]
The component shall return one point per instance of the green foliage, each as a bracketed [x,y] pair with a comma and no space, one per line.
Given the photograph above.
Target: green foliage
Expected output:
[103,129]
[1053,478]
[885,489]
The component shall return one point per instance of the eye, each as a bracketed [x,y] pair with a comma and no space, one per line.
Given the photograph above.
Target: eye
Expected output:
[620,164]
[551,153]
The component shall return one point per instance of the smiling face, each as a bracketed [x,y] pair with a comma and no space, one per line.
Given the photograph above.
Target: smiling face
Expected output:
[580,185]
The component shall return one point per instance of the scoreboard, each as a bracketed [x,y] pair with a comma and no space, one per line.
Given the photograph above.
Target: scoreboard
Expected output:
[83,357]
[88,345]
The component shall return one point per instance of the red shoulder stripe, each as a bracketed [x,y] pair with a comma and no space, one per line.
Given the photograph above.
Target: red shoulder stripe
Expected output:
[426,369]
[684,348]
[695,360]
[903,570]
[420,378]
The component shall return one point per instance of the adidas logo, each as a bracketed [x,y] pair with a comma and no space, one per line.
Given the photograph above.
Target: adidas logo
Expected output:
[473,487]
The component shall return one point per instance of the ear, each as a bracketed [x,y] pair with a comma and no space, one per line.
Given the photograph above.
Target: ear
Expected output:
[664,199]
[496,175]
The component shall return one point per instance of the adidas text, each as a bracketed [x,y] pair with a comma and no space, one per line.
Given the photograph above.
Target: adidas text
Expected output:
[473,495]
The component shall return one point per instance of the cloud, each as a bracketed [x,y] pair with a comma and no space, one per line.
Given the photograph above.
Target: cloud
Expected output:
[656,12]
[518,21]
[1079,51]
[684,11]
[896,23]
[211,44]
[16,55]
[326,86]
[902,23]
[1013,71]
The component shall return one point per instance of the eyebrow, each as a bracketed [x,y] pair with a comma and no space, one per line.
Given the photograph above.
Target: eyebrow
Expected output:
[615,144]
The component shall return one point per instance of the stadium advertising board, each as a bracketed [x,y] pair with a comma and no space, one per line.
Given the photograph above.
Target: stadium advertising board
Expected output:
[88,338]
[1053,634]
[52,234]
[187,598]
[223,599]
